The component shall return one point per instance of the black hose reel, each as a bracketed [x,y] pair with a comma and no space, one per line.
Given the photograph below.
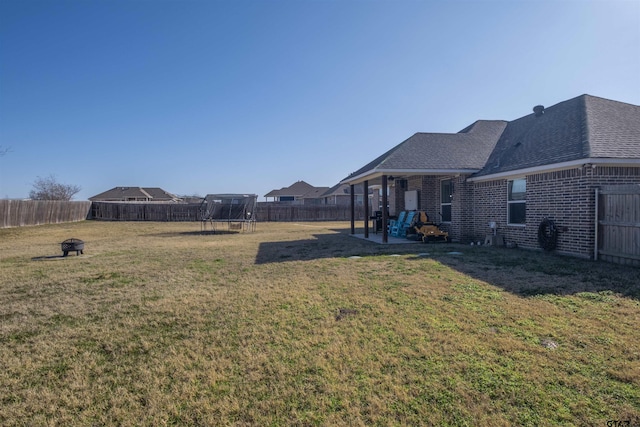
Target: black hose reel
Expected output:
[548,234]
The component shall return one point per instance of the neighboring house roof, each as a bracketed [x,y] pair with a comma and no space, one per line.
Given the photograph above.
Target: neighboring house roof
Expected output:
[343,190]
[298,189]
[585,127]
[465,151]
[315,193]
[127,193]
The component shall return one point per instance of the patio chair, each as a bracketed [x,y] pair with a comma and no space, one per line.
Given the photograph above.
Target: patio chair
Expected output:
[401,228]
[393,224]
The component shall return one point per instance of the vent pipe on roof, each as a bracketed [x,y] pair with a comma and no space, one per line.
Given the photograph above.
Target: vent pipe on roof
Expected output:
[539,110]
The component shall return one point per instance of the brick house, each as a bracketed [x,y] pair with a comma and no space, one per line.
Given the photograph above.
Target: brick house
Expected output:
[302,193]
[547,164]
[298,193]
[314,196]
[340,194]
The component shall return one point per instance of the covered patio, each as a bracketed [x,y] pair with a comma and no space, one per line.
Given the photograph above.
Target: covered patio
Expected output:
[427,172]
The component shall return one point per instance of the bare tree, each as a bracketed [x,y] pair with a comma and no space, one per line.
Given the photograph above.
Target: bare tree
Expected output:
[50,189]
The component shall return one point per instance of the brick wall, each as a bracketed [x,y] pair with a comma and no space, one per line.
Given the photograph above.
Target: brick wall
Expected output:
[462,208]
[392,202]
[490,204]
[397,201]
[567,197]
[429,187]
[429,195]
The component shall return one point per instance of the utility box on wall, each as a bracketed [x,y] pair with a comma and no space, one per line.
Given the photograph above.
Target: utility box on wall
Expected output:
[411,200]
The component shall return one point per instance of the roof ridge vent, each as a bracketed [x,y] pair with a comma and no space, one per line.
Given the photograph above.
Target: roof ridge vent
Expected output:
[539,110]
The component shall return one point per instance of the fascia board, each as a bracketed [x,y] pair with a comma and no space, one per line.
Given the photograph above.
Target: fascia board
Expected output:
[377,173]
[556,167]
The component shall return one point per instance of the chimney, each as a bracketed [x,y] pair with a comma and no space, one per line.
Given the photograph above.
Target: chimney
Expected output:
[539,110]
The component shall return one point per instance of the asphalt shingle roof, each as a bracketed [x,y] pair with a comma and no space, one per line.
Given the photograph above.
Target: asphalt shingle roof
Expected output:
[613,128]
[123,193]
[580,128]
[344,190]
[299,188]
[315,193]
[467,149]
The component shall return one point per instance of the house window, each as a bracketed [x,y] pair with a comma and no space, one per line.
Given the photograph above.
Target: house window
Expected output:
[516,201]
[446,194]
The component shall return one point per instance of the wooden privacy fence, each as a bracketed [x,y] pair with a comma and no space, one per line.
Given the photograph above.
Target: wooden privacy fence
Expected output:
[618,224]
[19,213]
[135,211]
[277,212]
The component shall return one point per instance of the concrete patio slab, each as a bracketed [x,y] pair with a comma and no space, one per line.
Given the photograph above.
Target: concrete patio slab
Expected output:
[377,238]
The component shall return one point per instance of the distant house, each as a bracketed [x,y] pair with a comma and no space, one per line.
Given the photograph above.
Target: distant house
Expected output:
[340,194]
[135,194]
[301,193]
[298,193]
[315,196]
[517,175]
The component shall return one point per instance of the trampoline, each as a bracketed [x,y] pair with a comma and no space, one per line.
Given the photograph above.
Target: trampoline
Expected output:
[237,211]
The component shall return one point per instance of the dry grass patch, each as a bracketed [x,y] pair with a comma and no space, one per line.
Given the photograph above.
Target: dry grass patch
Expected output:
[158,324]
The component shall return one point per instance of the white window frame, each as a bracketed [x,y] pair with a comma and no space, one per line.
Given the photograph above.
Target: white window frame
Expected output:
[512,202]
[450,199]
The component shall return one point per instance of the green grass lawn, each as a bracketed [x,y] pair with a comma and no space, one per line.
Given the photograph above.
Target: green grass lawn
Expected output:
[301,324]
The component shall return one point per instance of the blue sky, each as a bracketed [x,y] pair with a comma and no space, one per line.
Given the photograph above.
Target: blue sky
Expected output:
[203,97]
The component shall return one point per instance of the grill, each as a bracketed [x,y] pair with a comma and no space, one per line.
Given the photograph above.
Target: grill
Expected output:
[71,245]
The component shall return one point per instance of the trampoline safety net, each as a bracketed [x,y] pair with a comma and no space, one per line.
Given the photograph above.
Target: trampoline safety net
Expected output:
[237,210]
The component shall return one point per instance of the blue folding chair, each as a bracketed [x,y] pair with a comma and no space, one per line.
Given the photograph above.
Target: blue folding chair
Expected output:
[405,225]
[393,224]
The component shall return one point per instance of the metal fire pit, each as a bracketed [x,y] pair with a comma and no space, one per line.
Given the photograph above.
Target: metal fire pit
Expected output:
[70,245]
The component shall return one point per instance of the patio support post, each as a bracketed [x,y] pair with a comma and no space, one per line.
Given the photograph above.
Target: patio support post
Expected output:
[366,209]
[385,211]
[353,209]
